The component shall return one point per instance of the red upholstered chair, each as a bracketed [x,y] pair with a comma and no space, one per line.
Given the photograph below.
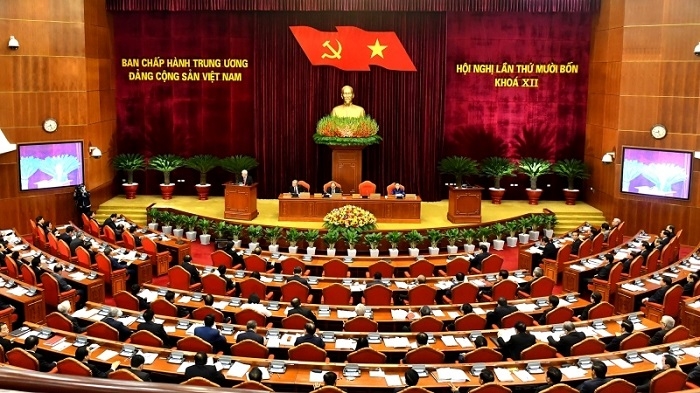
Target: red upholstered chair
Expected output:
[612,238]
[671,305]
[585,249]
[251,285]
[377,295]
[290,263]
[421,295]
[491,264]
[102,330]
[220,257]
[83,258]
[696,292]
[200,381]
[157,258]
[616,385]
[110,236]
[243,316]
[540,287]
[328,389]
[667,254]
[539,351]
[423,355]
[53,244]
[215,285]
[383,267]
[336,294]
[12,270]
[470,321]
[70,366]
[203,311]
[307,352]
[32,224]
[635,269]
[28,276]
[390,188]
[491,387]
[599,311]
[126,301]
[64,252]
[43,242]
[366,355]
[559,315]
[457,265]
[8,317]
[328,185]
[462,293]
[678,333]
[250,349]
[179,278]
[510,320]
[634,341]
[652,263]
[506,289]
[589,346]
[608,287]
[256,264]
[597,244]
[116,279]
[672,380]
[295,321]
[563,256]
[123,374]
[366,187]
[420,267]
[293,289]
[164,308]
[304,184]
[559,388]
[252,385]
[58,321]
[427,324]
[194,344]
[130,241]
[18,357]
[53,296]
[483,355]
[414,389]
[144,337]
[360,324]
[336,268]
[95,230]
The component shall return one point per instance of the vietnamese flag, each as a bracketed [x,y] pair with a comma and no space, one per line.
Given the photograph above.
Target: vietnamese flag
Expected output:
[353,49]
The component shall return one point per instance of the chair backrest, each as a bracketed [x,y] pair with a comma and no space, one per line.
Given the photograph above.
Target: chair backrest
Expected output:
[129,241]
[491,264]
[361,324]
[83,256]
[422,266]
[304,184]
[164,307]
[126,300]
[53,243]
[421,294]
[585,249]
[295,321]
[483,355]
[293,289]
[667,253]
[63,250]
[427,324]
[383,267]
[457,265]
[104,266]
[250,286]
[491,387]
[510,320]
[252,385]
[541,287]
[52,292]
[470,321]
[601,310]
[464,293]
[614,277]
[94,229]
[200,381]
[672,301]
[390,188]
[179,278]
[213,284]
[378,295]
[243,316]
[149,245]
[671,380]
[110,236]
[505,289]
[538,351]
[678,333]
[414,389]
[102,330]
[249,349]
[307,352]
[367,355]
[18,357]
[636,267]
[564,254]
[424,355]
[652,260]
[41,238]
[144,337]
[559,315]
[290,263]
[203,311]
[12,270]
[588,346]
[28,275]
[366,187]
[559,388]
[597,244]
[336,294]
[616,385]
[325,186]
[335,268]
[123,374]
[194,344]
[634,341]
[56,320]
[220,257]
[254,263]
[612,237]
[70,366]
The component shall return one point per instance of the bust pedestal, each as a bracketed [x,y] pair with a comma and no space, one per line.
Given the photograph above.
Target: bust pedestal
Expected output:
[347,167]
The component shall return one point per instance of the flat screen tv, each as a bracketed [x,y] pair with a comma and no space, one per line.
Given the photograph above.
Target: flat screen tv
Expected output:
[50,165]
[661,173]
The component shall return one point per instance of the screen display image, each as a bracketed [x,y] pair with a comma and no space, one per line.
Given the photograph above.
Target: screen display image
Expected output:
[663,173]
[50,165]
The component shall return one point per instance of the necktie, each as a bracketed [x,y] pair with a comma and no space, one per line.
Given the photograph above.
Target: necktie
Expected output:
[296,191]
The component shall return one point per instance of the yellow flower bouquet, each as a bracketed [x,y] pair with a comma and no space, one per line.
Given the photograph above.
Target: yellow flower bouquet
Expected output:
[350,216]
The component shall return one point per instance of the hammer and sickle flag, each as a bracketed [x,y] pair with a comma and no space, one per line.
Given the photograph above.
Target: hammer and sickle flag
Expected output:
[353,49]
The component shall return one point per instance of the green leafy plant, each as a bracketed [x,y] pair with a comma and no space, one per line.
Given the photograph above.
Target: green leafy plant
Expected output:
[499,230]
[331,237]
[373,239]
[550,221]
[497,167]
[310,236]
[167,218]
[458,167]
[351,236]
[190,223]
[221,229]
[537,221]
[413,238]
[235,231]
[571,169]
[347,131]
[393,238]
[204,225]
[129,163]
[155,215]
[469,235]
[453,235]
[483,233]
[179,221]
[254,233]
[434,236]
[523,224]
[202,163]
[272,235]
[166,163]
[512,227]
[534,168]
[293,236]
[236,164]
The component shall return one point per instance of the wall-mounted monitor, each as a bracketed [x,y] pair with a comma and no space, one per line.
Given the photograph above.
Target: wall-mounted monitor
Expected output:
[655,172]
[50,165]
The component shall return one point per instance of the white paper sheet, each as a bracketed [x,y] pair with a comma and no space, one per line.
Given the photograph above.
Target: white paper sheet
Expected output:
[106,355]
[315,377]
[621,363]
[149,357]
[62,345]
[523,375]
[464,342]
[454,375]
[220,305]
[438,313]
[503,374]
[345,343]
[238,369]
[346,314]
[398,314]
[478,311]
[526,307]
[455,314]
[184,366]
[573,372]
[449,341]
[393,380]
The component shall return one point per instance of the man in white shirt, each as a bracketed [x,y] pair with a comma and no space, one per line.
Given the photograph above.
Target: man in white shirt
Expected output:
[254,304]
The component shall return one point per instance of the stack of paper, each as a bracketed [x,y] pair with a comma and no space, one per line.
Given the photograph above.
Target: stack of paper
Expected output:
[621,363]
[401,285]
[534,250]
[62,345]
[478,282]
[651,280]
[672,275]
[692,351]
[170,329]
[128,320]
[355,287]
[563,303]
[397,342]
[587,330]
[438,313]
[346,314]
[238,369]
[632,287]
[85,313]
[620,255]
[524,376]
[503,374]
[464,342]
[526,307]
[397,314]
[273,342]
[316,376]
[455,314]
[577,267]
[184,299]
[220,305]
[288,339]
[454,375]
[78,276]
[505,334]
[266,279]
[444,284]
[149,296]
[183,367]
[573,372]
[449,341]
[106,355]
[478,311]
[651,357]
[393,380]
[18,291]
[345,343]
[517,279]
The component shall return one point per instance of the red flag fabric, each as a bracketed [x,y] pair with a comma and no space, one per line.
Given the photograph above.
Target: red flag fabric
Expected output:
[353,49]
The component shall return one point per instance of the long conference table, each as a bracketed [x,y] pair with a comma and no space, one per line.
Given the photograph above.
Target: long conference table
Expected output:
[315,207]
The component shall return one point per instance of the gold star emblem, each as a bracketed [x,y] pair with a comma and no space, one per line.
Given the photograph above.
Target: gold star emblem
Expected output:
[377,49]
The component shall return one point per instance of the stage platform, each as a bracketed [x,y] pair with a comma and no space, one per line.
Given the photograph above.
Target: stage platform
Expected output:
[433,214]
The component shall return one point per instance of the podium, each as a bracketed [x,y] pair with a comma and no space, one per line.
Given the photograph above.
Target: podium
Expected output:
[241,202]
[347,167]
[465,205]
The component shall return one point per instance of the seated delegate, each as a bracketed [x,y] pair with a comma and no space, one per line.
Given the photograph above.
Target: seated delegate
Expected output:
[296,188]
[399,191]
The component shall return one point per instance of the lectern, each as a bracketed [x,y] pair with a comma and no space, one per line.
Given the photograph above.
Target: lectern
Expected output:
[465,205]
[241,202]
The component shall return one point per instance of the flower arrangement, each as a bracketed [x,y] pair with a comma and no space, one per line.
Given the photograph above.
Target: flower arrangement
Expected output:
[347,131]
[350,216]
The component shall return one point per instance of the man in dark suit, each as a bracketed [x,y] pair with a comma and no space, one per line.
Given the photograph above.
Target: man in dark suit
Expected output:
[136,368]
[333,189]
[111,222]
[250,333]
[517,343]
[155,328]
[694,374]
[667,362]
[67,236]
[41,223]
[568,340]
[36,268]
[211,334]
[626,329]
[604,271]
[479,257]
[553,378]
[377,280]
[647,248]
[549,251]
[663,239]
[298,309]
[143,303]
[398,190]
[111,320]
[599,370]
[667,323]
[237,258]
[297,277]
[117,264]
[297,189]
[80,241]
[527,285]
[201,369]
[194,273]
[6,341]
[689,286]
[30,345]
[63,286]
[553,304]
[222,273]
[82,354]
[658,296]
[245,179]
[576,244]
[596,298]
[310,337]
[65,309]
[502,309]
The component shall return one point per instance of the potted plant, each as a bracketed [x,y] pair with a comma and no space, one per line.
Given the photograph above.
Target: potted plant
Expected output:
[524,225]
[434,237]
[534,168]
[155,215]
[351,236]
[166,163]
[393,238]
[255,232]
[220,230]
[202,163]
[293,236]
[373,239]
[310,236]
[272,235]
[483,233]
[512,229]
[459,167]
[469,235]
[497,167]
[571,169]
[179,222]
[550,221]
[453,235]
[236,164]
[413,238]
[129,163]
[191,225]
[204,225]
[167,219]
[498,230]
[331,237]
[536,222]
[235,231]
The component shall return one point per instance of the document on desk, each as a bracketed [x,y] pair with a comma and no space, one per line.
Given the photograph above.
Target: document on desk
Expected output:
[517,279]
[345,343]
[563,303]
[85,313]
[573,372]
[632,287]
[170,328]
[464,342]
[526,307]
[183,367]
[149,357]
[603,333]
[357,287]
[478,311]
[620,255]
[692,351]
[449,341]
[18,291]
[478,282]
[654,358]
[398,314]
[316,376]
[346,314]
[578,267]
[190,330]
[266,279]
[62,345]
[534,250]
[672,275]
[503,374]
[107,354]
[220,305]
[149,296]
[621,363]
[505,334]
[184,299]
[128,320]
[393,380]
[651,280]
[288,339]
[444,284]
[401,284]
[238,369]
[587,330]
[523,375]
[448,374]
[378,373]
[78,276]
[455,314]
[542,336]
[397,342]
[273,342]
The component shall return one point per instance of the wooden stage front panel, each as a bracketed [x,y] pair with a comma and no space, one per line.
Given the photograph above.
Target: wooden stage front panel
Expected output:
[314,209]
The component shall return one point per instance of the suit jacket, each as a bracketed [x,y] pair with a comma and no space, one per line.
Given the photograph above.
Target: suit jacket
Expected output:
[626,264]
[591,385]
[688,288]
[543,317]
[37,272]
[658,296]
[237,259]
[575,246]
[663,242]
[207,372]
[124,332]
[143,303]
[156,329]
[66,238]
[75,243]
[566,341]
[337,190]
[44,365]
[210,335]
[495,316]
[310,338]
[549,251]
[646,385]
[374,282]
[303,311]
[248,181]
[543,387]
[229,282]
[74,321]
[6,344]
[477,260]
[301,280]
[604,272]
[398,191]
[62,283]
[194,273]
[299,190]
[109,223]
[517,344]
[614,345]
[96,372]
[584,313]
[145,377]
[251,335]
[658,337]
[694,375]
[116,264]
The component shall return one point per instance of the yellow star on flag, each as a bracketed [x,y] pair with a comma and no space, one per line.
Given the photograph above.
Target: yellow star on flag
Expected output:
[377,49]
